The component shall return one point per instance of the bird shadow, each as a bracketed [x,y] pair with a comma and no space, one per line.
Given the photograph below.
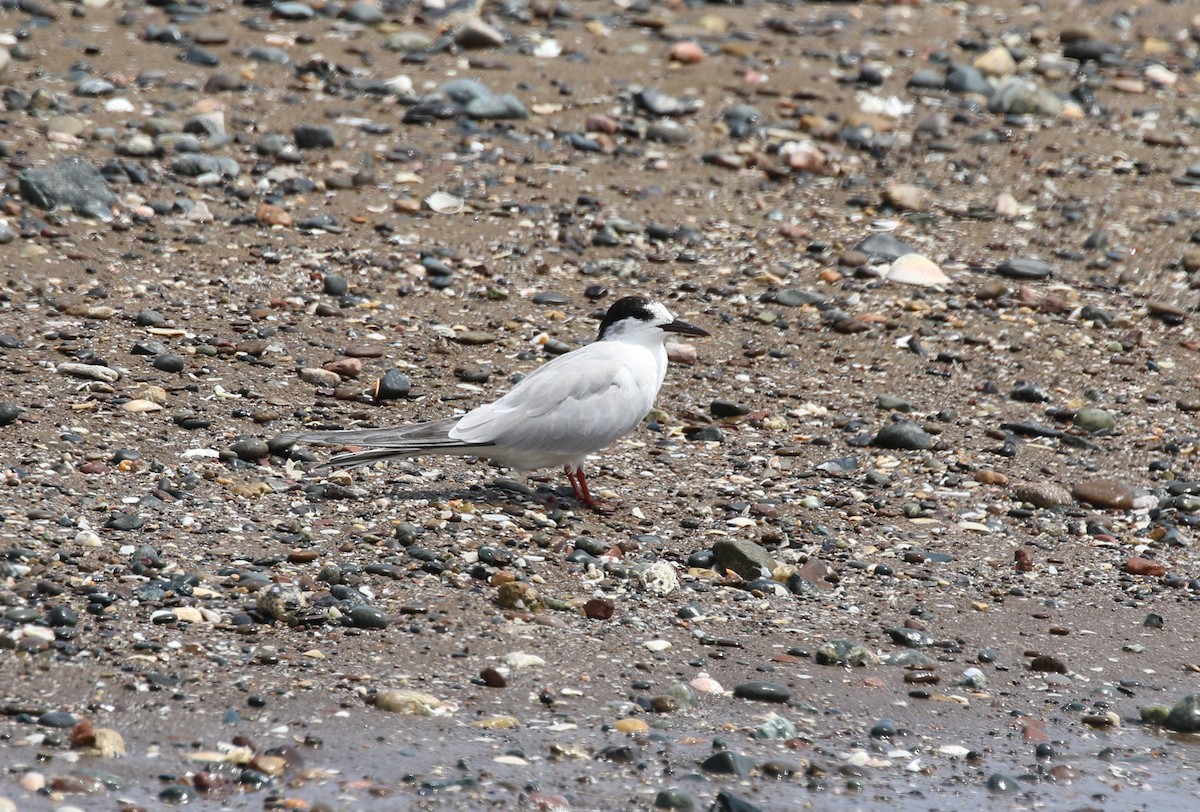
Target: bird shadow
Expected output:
[543,498]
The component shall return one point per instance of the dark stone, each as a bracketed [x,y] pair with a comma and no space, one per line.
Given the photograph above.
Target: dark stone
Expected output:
[762,691]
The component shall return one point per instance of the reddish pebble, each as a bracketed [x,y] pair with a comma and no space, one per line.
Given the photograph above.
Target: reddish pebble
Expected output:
[600,123]
[345,367]
[1022,560]
[1144,566]
[599,608]
[687,52]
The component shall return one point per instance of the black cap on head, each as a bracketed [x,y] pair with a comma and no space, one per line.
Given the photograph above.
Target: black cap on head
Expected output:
[654,314]
[630,307]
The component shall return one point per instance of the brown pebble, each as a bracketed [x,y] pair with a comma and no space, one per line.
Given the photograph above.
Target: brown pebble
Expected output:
[1041,494]
[1022,561]
[302,556]
[493,678]
[271,215]
[345,367]
[989,477]
[600,123]
[1049,664]
[1144,566]
[1104,493]
[599,608]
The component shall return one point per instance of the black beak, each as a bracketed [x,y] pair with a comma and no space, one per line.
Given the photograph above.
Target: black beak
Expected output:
[683,328]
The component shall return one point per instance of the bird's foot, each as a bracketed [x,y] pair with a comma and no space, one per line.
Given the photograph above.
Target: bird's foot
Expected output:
[579,485]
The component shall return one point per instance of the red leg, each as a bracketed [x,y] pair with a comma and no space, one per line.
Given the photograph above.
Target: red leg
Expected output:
[579,485]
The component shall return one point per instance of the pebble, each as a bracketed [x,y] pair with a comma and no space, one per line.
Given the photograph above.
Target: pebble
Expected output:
[727,762]
[314,136]
[686,52]
[70,182]
[1184,716]
[762,691]
[1104,493]
[1144,566]
[9,412]
[1094,421]
[394,385]
[727,801]
[1023,268]
[746,558]
[903,435]
[884,247]
[674,798]
[1042,494]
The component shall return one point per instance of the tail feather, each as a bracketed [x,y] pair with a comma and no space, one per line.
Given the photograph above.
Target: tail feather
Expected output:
[393,442]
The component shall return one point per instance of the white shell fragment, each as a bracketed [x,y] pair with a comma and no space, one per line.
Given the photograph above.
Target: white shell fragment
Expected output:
[94,372]
[444,203]
[914,269]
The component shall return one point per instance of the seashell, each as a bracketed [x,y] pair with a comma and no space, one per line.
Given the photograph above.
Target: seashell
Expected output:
[444,203]
[914,269]
[141,406]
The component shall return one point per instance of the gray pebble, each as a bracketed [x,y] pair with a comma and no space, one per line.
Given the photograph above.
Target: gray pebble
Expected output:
[747,559]
[903,435]
[1023,268]
[762,691]
[71,182]
[250,449]
[314,136]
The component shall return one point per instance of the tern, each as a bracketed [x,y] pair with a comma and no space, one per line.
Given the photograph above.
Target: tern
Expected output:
[571,406]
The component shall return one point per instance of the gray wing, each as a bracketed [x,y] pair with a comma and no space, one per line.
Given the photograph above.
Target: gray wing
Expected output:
[569,408]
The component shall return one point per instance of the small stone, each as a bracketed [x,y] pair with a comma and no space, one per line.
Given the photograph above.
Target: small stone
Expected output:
[1185,715]
[368,617]
[686,52]
[727,762]
[1094,421]
[70,182]
[412,703]
[762,691]
[726,409]
[681,353]
[1042,494]
[250,449]
[394,385]
[58,719]
[906,197]
[1024,269]
[727,801]
[1048,663]
[997,63]
[169,362]
[599,608]
[674,798]
[998,782]
[314,136]
[745,557]
[475,33]
[345,367]
[519,596]
[268,214]
[903,435]
[1104,493]
[1145,566]
[9,412]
